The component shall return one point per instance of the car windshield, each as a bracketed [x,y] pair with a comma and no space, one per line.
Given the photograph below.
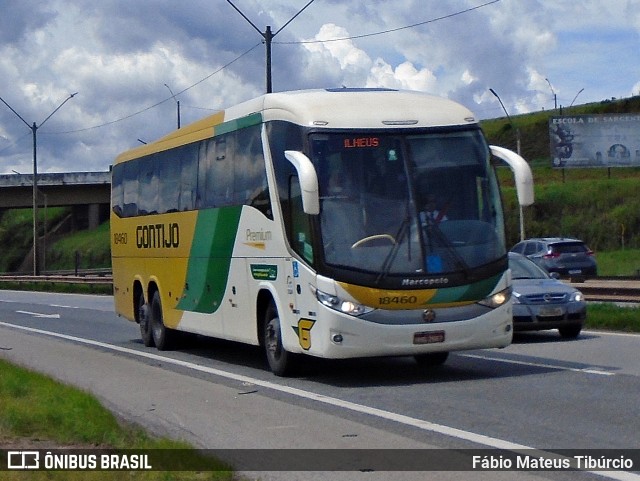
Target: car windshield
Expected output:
[523,268]
[408,204]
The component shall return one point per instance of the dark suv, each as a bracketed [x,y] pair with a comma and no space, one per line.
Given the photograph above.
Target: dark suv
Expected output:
[567,257]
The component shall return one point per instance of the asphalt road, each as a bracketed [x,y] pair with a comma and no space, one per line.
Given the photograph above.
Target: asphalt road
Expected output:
[542,392]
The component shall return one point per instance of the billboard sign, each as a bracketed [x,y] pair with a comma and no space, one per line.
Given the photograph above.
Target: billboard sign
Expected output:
[604,140]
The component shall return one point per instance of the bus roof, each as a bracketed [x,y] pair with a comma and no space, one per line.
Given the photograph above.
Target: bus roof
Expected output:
[326,108]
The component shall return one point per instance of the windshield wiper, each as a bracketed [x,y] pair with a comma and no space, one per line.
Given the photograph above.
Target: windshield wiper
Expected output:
[388,261]
[442,240]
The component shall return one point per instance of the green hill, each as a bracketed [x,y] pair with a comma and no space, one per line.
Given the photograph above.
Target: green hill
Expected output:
[534,127]
[600,206]
[88,248]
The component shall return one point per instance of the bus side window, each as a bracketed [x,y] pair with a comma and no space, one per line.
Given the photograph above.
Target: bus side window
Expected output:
[250,182]
[130,190]
[169,188]
[188,165]
[299,221]
[215,179]
[148,185]
[117,191]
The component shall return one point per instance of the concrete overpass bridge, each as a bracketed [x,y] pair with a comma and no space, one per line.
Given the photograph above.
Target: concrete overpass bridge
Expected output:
[88,193]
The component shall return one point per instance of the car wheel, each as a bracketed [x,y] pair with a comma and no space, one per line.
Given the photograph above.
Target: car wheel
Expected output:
[570,332]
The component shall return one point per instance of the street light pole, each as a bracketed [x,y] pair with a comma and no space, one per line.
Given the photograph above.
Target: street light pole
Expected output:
[34,129]
[522,236]
[177,103]
[510,121]
[555,97]
[574,98]
[268,37]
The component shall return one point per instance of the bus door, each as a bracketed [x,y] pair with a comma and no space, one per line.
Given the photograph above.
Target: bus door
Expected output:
[302,280]
[305,305]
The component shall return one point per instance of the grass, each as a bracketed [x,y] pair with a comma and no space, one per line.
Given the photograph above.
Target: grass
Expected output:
[41,413]
[92,246]
[619,263]
[610,317]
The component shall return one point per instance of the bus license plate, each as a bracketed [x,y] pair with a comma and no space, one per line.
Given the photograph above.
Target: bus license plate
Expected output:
[428,337]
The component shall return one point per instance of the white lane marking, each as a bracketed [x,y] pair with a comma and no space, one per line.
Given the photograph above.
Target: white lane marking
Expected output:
[391,416]
[612,333]
[40,315]
[539,364]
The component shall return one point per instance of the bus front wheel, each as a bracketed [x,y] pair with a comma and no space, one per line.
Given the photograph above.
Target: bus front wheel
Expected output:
[163,337]
[431,359]
[279,359]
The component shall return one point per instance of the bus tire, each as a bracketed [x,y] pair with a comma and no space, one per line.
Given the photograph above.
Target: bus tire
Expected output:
[163,337]
[431,358]
[145,322]
[280,361]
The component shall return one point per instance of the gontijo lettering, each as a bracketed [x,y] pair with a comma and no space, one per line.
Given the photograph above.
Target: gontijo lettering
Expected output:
[158,236]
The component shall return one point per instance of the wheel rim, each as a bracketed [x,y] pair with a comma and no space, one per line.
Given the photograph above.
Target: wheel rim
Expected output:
[272,340]
[156,321]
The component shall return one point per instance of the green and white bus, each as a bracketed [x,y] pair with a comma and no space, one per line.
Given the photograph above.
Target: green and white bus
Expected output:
[297,221]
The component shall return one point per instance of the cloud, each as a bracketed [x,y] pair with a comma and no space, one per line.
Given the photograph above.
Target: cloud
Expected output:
[23,18]
[119,54]
[353,67]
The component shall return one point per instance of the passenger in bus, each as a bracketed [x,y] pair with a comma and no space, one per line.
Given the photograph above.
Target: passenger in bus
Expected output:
[431,214]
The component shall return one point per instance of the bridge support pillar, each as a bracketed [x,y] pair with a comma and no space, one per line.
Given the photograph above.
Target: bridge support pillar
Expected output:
[94,215]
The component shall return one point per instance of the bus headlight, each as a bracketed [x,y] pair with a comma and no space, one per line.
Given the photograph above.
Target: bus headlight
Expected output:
[341,305]
[498,299]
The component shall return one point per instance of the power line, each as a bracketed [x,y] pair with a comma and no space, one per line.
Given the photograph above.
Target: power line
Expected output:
[383,32]
[111,122]
[15,142]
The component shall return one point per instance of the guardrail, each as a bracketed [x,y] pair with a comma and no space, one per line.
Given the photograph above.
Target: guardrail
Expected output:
[609,289]
[61,279]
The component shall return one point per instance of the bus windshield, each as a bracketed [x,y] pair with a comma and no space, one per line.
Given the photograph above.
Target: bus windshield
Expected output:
[424,203]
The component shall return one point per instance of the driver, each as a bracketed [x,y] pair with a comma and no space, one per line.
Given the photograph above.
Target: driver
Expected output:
[431,214]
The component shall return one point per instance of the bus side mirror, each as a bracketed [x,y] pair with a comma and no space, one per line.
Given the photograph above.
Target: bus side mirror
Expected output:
[308,181]
[521,172]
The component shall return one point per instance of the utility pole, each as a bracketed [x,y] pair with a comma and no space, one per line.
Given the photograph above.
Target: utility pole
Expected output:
[268,37]
[34,129]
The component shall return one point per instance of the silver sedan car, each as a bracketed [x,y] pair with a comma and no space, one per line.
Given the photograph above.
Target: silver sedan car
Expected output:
[541,301]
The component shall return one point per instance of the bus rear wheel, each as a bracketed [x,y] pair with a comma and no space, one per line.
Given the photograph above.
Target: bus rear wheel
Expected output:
[280,361]
[145,322]
[163,337]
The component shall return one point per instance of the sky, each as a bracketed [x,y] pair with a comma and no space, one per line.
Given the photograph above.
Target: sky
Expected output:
[131,61]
